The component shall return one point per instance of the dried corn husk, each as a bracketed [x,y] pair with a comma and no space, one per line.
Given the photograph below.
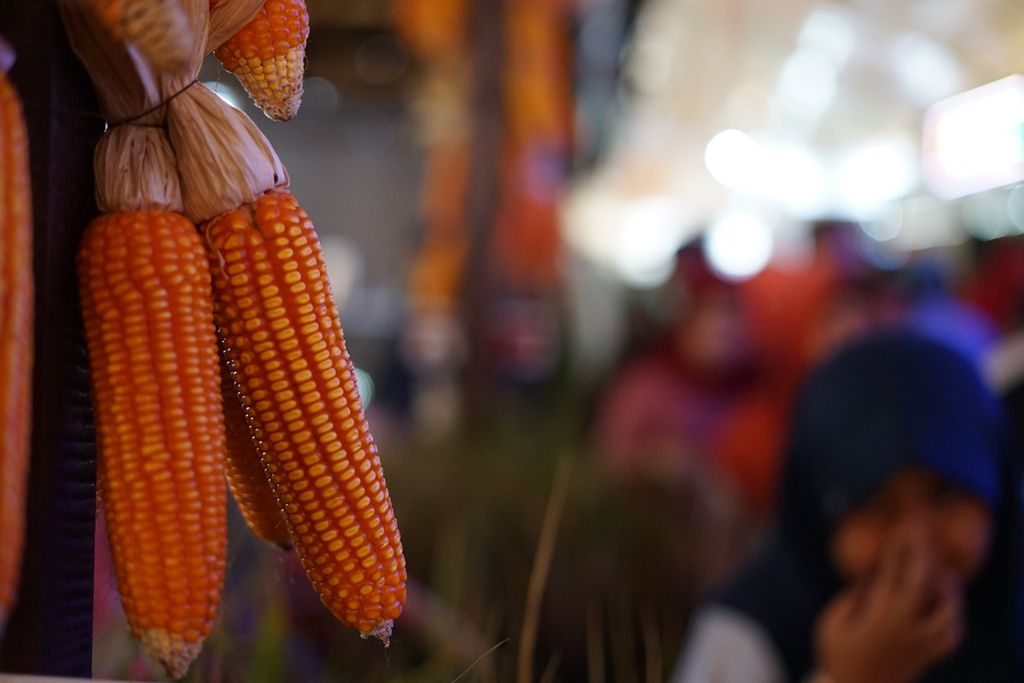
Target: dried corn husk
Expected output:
[172,144]
[159,28]
[223,158]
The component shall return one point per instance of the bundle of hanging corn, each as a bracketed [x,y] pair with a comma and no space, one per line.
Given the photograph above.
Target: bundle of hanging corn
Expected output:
[217,349]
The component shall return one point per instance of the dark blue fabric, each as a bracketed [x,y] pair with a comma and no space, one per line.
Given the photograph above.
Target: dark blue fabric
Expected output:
[884,403]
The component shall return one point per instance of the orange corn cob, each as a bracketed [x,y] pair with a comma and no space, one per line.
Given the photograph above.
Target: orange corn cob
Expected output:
[158,28]
[275,308]
[244,469]
[16,306]
[153,360]
[268,55]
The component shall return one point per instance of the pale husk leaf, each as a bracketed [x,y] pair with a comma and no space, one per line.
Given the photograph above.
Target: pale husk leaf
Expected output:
[134,164]
[124,81]
[165,126]
[136,171]
[160,29]
[223,159]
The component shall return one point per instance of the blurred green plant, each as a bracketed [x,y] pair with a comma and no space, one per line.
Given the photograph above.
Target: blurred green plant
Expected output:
[612,608]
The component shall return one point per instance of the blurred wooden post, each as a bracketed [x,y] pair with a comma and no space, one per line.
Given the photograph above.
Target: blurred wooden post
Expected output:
[50,630]
[487,24]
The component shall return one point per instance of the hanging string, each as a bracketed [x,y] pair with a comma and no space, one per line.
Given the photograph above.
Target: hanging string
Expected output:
[133,120]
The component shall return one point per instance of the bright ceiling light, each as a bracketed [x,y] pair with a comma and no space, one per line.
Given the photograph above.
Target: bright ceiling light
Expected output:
[875,174]
[972,141]
[807,83]
[926,70]
[792,176]
[649,233]
[728,157]
[739,245]
[831,32]
[886,225]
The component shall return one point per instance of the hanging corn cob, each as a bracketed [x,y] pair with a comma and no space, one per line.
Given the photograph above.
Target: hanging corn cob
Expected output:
[16,308]
[268,56]
[275,308]
[158,28]
[153,358]
[244,468]
[153,361]
[338,514]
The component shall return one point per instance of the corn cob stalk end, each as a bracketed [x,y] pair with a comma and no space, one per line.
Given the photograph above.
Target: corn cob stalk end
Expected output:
[383,632]
[170,649]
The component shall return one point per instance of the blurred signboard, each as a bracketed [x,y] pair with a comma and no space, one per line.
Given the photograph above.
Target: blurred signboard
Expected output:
[974,141]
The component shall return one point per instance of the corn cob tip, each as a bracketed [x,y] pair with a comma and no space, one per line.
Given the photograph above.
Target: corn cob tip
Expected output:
[274,84]
[283,103]
[171,650]
[383,632]
[268,56]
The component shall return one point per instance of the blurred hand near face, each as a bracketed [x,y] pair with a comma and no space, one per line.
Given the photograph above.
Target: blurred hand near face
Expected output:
[893,626]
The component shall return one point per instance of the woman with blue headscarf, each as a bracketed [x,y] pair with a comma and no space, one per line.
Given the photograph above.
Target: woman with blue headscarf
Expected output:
[897,554]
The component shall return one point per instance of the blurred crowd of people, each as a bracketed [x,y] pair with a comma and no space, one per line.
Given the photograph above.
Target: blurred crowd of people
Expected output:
[710,394]
[701,415]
